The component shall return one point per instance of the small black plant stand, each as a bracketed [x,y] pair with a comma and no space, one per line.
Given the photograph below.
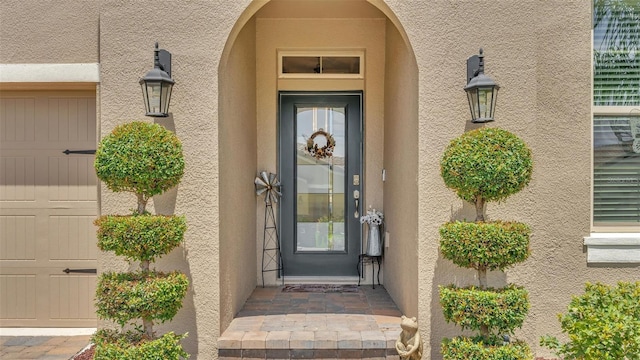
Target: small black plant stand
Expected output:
[364,259]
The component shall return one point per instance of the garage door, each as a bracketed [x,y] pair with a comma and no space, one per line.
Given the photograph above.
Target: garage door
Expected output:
[48,201]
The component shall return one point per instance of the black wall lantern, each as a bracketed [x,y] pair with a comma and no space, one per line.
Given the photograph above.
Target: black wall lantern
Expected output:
[482,91]
[157,85]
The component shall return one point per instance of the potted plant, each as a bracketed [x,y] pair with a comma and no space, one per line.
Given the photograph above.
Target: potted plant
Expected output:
[374,220]
[481,166]
[146,160]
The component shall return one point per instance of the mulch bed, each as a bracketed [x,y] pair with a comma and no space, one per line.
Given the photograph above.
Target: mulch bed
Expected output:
[85,354]
[320,288]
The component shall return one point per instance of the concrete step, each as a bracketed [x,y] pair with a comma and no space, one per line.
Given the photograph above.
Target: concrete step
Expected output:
[311,336]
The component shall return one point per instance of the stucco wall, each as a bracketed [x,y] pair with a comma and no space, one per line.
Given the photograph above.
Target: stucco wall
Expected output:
[401,165]
[49,31]
[238,153]
[195,34]
[539,52]
[294,34]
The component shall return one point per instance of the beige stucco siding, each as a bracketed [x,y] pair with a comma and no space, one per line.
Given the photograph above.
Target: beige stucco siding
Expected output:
[401,173]
[49,31]
[238,153]
[540,54]
[224,111]
[195,35]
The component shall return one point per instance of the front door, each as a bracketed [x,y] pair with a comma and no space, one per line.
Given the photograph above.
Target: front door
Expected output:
[320,152]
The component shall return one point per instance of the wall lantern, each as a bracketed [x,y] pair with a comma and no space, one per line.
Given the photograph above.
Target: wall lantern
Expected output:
[482,91]
[157,85]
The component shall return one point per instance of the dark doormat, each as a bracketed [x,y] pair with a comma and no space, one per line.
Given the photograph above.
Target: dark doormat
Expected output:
[321,288]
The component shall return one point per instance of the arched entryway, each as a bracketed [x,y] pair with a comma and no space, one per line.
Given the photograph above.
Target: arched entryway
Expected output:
[250,78]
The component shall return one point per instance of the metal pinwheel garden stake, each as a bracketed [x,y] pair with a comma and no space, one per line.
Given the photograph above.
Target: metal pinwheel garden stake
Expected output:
[269,185]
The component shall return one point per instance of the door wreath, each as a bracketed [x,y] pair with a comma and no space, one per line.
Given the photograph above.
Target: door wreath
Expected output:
[321,152]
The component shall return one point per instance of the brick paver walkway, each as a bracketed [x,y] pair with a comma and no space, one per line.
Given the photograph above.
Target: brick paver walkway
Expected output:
[41,347]
[278,325]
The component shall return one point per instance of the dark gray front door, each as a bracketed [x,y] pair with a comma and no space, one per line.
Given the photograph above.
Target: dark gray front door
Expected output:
[319,213]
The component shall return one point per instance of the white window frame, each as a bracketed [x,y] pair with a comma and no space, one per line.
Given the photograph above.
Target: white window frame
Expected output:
[609,244]
[322,53]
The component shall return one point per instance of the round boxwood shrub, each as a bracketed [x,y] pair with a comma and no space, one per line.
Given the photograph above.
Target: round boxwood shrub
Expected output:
[485,245]
[140,157]
[140,237]
[114,345]
[500,310]
[490,163]
[140,295]
[491,348]
[602,324]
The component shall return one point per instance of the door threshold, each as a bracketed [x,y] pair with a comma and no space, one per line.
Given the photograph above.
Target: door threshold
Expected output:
[341,280]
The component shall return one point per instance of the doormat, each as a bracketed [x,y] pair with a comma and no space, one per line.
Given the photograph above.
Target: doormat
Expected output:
[320,288]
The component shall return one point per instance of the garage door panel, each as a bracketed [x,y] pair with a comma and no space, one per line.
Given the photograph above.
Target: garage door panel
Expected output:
[68,298]
[72,179]
[19,296]
[67,119]
[18,236]
[17,178]
[17,119]
[72,237]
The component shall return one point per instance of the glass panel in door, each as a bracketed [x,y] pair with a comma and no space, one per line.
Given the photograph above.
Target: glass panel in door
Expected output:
[320,182]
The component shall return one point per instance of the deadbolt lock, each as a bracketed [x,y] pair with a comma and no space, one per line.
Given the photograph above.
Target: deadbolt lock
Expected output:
[356,180]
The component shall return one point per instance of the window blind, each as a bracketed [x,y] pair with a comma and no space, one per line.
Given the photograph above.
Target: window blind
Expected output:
[616,164]
[616,58]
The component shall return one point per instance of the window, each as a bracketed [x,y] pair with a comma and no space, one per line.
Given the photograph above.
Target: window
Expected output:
[616,115]
[321,64]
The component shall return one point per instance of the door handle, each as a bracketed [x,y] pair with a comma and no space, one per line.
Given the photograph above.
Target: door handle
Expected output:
[82,271]
[356,197]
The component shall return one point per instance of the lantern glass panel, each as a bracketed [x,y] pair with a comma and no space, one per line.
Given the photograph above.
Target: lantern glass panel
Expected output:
[153,96]
[472,96]
[485,96]
[145,96]
[165,97]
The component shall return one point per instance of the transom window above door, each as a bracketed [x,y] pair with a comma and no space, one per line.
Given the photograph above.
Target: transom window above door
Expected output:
[321,64]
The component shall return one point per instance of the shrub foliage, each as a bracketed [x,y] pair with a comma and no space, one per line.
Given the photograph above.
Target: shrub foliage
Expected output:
[602,324]
[492,348]
[485,245]
[489,162]
[500,310]
[114,345]
[147,295]
[145,159]
[140,237]
[140,157]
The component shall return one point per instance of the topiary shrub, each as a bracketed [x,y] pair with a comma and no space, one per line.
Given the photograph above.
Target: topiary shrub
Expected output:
[145,159]
[485,245]
[500,310]
[483,165]
[491,348]
[142,158]
[149,295]
[486,164]
[602,324]
[114,345]
[140,237]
